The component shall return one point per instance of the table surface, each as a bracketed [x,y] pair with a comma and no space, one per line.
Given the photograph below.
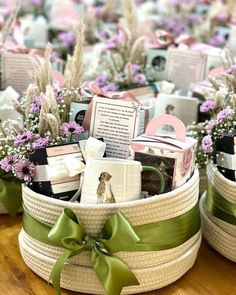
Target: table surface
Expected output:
[212,274]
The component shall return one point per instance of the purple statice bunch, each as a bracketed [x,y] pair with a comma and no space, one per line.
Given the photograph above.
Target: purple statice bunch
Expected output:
[138,78]
[71,128]
[101,80]
[36,105]
[97,11]
[222,17]
[57,92]
[24,138]
[40,143]
[224,114]
[207,106]
[114,41]
[207,144]
[217,41]
[24,170]
[110,87]
[67,39]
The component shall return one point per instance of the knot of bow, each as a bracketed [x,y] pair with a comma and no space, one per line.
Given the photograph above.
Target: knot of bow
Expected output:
[116,235]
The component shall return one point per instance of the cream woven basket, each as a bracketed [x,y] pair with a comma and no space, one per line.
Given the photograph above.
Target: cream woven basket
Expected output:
[220,240]
[220,234]
[152,269]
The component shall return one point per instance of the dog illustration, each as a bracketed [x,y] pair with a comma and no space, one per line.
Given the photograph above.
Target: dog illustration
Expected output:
[104,191]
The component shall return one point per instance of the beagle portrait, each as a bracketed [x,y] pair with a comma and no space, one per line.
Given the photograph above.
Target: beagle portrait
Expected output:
[104,191]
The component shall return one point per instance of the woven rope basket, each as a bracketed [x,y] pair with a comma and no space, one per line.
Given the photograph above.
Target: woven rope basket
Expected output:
[83,279]
[153,269]
[227,189]
[222,241]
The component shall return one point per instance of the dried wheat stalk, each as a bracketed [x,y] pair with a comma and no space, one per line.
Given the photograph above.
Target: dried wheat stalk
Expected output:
[31,93]
[74,65]
[130,14]
[9,22]
[109,5]
[43,69]
[137,55]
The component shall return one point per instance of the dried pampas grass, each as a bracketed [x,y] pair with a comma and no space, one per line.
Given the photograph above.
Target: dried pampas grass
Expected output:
[49,118]
[74,65]
[130,14]
[43,69]
[9,22]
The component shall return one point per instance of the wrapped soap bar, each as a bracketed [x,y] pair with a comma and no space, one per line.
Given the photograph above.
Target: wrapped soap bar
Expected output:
[174,155]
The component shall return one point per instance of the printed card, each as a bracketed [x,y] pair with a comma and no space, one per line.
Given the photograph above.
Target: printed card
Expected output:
[117,122]
[17,71]
[185,67]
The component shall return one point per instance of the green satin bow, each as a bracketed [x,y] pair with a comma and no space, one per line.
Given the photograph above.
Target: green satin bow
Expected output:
[117,235]
[218,206]
[10,193]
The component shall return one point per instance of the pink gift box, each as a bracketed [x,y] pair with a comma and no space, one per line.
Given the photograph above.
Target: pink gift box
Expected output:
[173,154]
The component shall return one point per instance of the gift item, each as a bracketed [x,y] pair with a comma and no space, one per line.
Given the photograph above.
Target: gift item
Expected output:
[183,107]
[173,155]
[117,121]
[156,64]
[226,155]
[58,170]
[103,184]
[78,110]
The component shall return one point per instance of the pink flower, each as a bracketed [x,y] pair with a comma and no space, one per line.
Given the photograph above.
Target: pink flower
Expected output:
[23,138]
[207,106]
[40,143]
[7,163]
[24,170]
[187,161]
[71,128]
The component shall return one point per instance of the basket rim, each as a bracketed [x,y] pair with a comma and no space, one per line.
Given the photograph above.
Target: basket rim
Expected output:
[120,205]
[212,169]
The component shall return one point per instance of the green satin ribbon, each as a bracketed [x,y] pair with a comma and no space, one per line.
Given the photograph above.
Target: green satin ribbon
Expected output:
[10,193]
[218,206]
[117,235]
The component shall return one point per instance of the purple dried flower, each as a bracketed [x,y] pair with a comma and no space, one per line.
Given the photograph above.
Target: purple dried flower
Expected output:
[23,138]
[36,105]
[67,39]
[7,163]
[97,11]
[71,128]
[216,40]
[139,79]
[24,170]
[109,88]
[222,16]
[207,144]
[225,113]
[207,106]
[231,70]
[114,41]
[101,80]
[40,143]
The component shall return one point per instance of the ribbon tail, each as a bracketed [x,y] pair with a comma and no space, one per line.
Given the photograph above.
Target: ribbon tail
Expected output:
[113,274]
[55,276]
